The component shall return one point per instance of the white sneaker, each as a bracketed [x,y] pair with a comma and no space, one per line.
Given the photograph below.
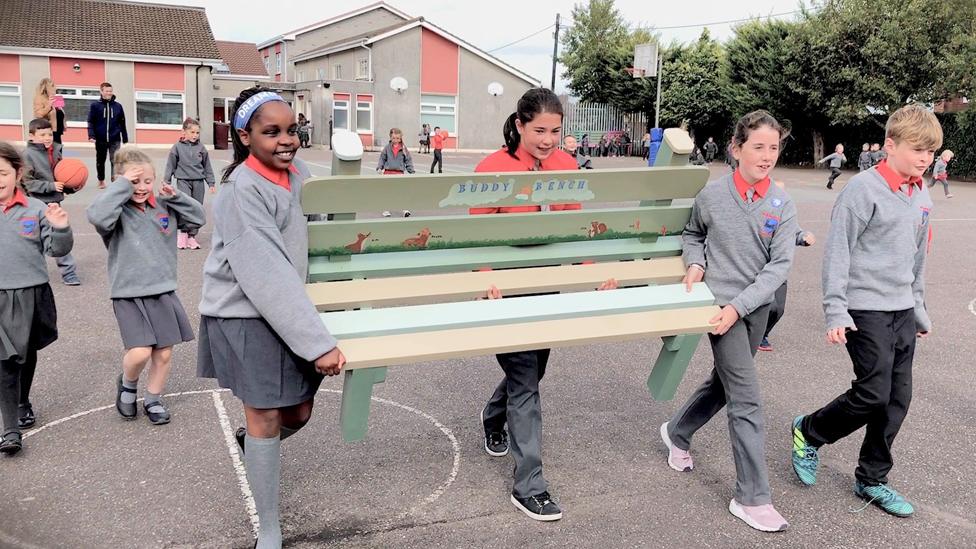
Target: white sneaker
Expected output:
[386,213]
[761,517]
[406,213]
[678,459]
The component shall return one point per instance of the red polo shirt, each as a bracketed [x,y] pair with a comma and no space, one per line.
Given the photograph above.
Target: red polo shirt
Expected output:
[19,199]
[151,201]
[437,140]
[894,180]
[501,161]
[278,177]
[741,185]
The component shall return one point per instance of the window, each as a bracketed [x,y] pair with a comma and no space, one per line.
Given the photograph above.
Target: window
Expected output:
[278,63]
[439,110]
[10,103]
[364,114]
[267,64]
[337,72]
[340,114]
[362,69]
[159,108]
[300,77]
[76,104]
[321,74]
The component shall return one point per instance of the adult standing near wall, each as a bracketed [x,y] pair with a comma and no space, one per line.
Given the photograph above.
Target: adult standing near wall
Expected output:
[106,129]
[48,105]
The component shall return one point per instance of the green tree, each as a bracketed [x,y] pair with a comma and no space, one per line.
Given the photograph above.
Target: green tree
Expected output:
[695,89]
[595,51]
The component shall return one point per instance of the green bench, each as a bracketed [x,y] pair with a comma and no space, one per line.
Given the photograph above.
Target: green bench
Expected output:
[400,291]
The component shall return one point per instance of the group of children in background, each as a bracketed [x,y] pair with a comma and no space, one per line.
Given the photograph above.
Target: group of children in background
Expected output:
[872,154]
[272,350]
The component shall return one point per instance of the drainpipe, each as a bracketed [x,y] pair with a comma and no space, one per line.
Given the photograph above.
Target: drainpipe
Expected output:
[196,75]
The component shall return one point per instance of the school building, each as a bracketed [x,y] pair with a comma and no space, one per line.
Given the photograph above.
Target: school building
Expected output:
[376,68]
[365,71]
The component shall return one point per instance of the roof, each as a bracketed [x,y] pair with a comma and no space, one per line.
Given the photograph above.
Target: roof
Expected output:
[108,26]
[374,36]
[291,35]
[242,58]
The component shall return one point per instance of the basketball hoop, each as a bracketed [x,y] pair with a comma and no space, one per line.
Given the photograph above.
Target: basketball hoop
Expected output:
[635,72]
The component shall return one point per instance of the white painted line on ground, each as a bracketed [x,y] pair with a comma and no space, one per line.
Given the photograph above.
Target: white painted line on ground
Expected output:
[235,458]
[972,307]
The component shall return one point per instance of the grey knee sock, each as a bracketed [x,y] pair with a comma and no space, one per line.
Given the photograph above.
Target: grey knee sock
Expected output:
[263,464]
[9,394]
[153,402]
[129,398]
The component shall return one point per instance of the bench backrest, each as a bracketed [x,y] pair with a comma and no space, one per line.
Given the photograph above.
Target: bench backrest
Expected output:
[625,212]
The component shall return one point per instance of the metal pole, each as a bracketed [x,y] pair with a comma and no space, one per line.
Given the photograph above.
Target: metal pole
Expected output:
[657,106]
[555,52]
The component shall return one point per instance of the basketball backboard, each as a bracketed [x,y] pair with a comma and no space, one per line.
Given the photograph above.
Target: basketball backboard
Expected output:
[645,60]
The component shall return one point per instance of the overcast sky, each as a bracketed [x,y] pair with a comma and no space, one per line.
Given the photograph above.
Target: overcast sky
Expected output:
[490,25]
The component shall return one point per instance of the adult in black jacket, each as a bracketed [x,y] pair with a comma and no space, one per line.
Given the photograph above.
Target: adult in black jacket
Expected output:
[106,129]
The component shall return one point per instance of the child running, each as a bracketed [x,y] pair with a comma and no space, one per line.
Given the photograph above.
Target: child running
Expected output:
[531,144]
[837,160]
[42,157]
[189,162]
[260,335]
[740,240]
[136,227]
[874,303]
[395,160]
[940,173]
[29,230]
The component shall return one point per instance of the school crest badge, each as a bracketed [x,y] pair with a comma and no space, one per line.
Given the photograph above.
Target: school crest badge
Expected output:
[163,223]
[770,222]
[28,226]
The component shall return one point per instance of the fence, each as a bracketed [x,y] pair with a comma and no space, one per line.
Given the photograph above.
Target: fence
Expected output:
[598,119]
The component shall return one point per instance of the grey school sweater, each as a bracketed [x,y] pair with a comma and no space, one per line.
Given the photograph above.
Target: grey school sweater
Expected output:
[746,249]
[874,258]
[39,178]
[25,238]
[837,160]
[141,243]
[259,260]
[189,161]
[401,161]
[939,170]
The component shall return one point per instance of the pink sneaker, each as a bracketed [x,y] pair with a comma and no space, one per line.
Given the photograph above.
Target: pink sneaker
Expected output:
[678,459]
[761,517]
[181,239]
[191,243]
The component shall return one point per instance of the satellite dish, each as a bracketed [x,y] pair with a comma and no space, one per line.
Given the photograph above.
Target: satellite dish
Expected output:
[495,89]
[398,84]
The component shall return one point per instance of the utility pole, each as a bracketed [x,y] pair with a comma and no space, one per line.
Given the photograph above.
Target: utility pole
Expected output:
[555,52]
[657,108]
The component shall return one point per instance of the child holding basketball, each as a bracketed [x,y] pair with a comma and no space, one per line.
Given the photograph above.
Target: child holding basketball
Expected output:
[137,228]
[395,160]
[260,335]
[740,240]
[190,163]
[42,156]
[29,230]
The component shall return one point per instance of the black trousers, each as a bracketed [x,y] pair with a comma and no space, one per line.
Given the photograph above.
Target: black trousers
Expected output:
[834,174]
[16,379]
[776,309]
[438,161]
[103,148]
[881,350]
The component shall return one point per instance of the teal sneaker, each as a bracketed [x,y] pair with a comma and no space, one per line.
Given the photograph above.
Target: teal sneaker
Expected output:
[885,497]
[804,456]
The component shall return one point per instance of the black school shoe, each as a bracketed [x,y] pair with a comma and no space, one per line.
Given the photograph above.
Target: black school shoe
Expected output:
[538,507]
[26,418]
[156,418]
[12,443]
[127,411]
[496,442]
[239,434]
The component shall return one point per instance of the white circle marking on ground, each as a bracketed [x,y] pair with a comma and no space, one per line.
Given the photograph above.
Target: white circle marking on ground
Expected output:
[972,307]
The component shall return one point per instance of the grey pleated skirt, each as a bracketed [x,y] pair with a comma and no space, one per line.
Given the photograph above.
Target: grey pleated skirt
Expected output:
[28,320]
[152,321]
[246,356]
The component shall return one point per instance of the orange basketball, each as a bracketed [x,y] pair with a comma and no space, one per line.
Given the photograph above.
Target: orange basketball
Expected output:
[72,172]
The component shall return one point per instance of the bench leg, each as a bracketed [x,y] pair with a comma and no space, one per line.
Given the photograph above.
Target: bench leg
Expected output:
[671,365]
[357,388]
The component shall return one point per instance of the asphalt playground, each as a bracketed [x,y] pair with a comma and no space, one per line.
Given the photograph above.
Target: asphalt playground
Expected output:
[88,479]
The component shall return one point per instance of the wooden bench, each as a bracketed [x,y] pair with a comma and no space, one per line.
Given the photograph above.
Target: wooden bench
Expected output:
[404,290]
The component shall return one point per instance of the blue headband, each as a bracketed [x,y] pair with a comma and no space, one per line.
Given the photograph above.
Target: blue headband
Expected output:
[244,113]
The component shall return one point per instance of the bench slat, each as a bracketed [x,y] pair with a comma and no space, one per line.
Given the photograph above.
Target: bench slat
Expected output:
[448,316]
[437,288]
[334,194]
[365,236]
[497,257]
[392,350]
